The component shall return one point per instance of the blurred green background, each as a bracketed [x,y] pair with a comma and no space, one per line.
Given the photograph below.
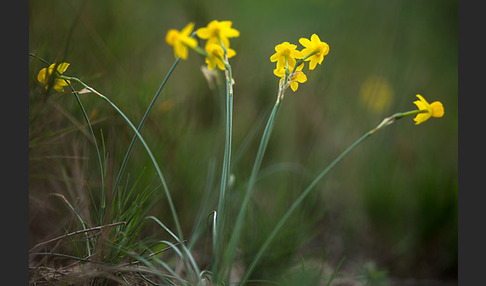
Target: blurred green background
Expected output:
[391,203]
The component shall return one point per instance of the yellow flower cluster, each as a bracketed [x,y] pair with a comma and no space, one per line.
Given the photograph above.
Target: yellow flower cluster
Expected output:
[290,61]
[286,57]
[216,34]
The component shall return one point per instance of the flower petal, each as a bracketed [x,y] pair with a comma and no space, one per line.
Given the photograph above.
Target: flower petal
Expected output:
[181,50]
[171,36]
[281,62]
[305,42]
[190,42]
[320,58]
[294,85]
[315,39]
[211,63]
[227,31]
[313,63]
[62,82]
[300,77]
[279,71]
[232,33]
[292,62]
[51,67]
[42,76]
[220,64]
[422,99]
[421,117]
[187,30]
[274,57]
[420,105]
[230,53]
[59,85]
[296,54]
[62,67]
[203,33]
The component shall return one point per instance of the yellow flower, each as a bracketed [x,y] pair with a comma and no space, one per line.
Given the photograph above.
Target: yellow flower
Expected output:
[181,40]
[297,77]
[44,76]
[285,52]
[435,109]
[316,48]
[216,56]
[216,31]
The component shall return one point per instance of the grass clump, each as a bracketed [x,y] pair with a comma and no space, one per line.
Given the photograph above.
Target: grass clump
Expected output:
[119,241]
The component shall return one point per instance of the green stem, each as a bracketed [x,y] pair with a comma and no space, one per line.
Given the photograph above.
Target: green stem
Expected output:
[83,223]
[98,154]
[296,204]
[200,51]
[134,139]
[220,221]
[152,158]
[300,61]
[387,121]
[391,119]
[287,71]
[308,56]
[408,113]
[235,236]
[149,108]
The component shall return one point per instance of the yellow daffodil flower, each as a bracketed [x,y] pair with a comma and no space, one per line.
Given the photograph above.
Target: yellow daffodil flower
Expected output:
[216,31]
[285,52]
[435,109]
[315,48]
[216,56]
[297,77]
[181,40]
[44,76]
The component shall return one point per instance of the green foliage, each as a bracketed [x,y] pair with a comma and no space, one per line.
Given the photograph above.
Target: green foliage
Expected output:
[393,201]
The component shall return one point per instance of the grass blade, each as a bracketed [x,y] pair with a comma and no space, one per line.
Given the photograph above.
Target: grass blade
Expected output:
[297,202]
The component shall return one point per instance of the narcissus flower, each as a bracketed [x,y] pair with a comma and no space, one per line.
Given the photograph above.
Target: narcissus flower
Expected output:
[216,56]
[315,48]
[181,40]
[285,52]
[45,74]
[216,31]
[435,109]
[297,77]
